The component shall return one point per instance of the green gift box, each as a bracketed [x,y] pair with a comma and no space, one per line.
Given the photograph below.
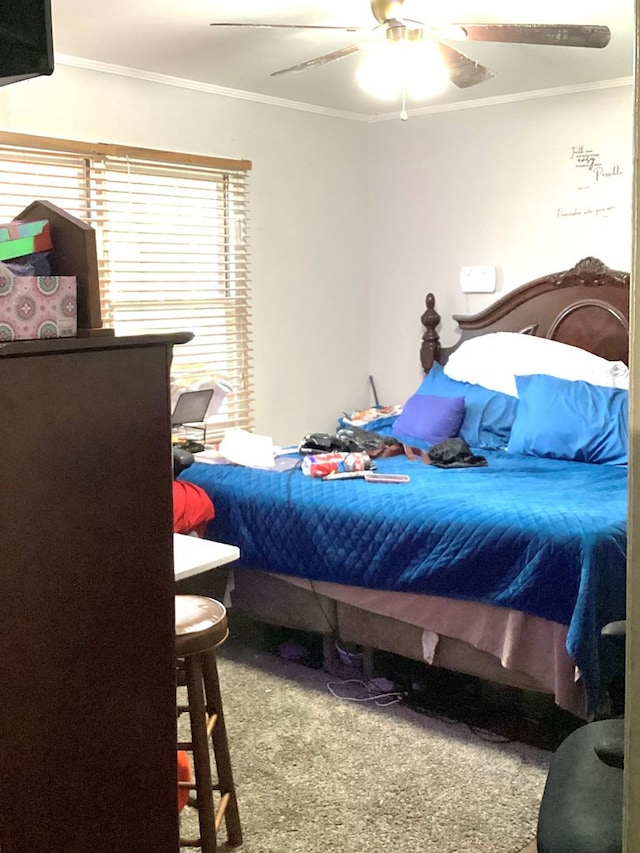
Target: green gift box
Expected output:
[20,238]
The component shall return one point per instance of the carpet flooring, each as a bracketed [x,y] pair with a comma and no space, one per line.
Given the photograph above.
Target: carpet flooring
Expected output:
[316,773]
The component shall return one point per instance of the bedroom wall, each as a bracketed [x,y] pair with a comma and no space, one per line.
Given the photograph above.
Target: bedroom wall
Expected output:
[501,185]
[352,223]
[308,232]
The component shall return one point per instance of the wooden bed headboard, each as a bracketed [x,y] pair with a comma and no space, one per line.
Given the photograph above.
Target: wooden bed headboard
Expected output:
[587,306]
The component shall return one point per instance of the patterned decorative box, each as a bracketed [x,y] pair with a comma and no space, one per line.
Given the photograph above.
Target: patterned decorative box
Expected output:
[19,238]
[34,307]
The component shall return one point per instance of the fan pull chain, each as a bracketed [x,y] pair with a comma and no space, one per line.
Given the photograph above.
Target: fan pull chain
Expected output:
[403,113]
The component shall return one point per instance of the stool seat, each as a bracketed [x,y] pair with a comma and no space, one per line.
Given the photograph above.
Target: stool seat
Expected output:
[201,623]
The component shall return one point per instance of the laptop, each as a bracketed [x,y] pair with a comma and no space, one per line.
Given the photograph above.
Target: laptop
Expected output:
[191,407]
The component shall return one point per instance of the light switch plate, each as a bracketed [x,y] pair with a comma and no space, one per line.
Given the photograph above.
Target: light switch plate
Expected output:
[478,279]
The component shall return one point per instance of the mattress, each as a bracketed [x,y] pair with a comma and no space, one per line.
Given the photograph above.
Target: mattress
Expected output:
[541,536]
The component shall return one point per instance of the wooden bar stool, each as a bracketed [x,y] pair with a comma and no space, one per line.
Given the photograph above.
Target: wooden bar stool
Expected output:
[201,626]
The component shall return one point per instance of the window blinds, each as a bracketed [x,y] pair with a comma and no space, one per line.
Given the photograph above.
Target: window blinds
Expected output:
[172,240]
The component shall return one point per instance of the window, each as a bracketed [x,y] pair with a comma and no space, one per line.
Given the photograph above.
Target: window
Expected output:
[171,233]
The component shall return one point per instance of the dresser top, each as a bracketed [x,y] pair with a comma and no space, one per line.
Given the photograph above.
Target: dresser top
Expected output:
[56,346]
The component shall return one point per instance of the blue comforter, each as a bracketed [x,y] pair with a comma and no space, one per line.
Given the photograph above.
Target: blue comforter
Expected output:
[543,536]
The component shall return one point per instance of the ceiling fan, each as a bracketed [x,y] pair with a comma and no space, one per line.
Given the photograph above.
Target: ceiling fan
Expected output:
[461,69]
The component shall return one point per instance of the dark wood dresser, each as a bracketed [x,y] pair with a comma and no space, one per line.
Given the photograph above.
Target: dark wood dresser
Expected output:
[87,696]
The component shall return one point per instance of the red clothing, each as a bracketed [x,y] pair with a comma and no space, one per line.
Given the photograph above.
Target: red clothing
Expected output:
[192,508]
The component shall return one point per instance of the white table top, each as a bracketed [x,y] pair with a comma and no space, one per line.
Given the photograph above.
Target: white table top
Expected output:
[192,555]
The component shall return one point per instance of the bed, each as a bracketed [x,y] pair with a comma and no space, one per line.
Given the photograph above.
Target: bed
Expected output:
[506,571]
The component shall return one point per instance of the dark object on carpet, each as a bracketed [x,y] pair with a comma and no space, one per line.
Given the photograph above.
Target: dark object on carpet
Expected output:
[581,807]
[582,803]
[498,710]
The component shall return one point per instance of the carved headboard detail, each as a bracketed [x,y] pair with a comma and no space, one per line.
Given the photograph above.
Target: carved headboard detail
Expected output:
[586,306]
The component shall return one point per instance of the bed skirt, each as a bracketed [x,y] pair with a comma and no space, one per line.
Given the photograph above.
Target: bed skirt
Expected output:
[493,643]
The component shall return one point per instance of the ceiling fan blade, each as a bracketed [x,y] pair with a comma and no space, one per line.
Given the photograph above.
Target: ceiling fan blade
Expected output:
[320,60]
[462,70]
[289,27]
[562,35]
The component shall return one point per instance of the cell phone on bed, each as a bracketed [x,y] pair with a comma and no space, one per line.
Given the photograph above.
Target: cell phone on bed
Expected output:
[372,477]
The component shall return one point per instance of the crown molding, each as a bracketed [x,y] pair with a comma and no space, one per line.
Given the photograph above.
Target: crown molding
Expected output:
[240,94]
[197,86]
[534,94]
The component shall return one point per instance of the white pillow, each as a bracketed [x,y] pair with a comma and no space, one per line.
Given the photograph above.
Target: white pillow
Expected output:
[494,360]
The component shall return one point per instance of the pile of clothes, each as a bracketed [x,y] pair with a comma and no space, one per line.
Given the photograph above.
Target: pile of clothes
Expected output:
[450,453]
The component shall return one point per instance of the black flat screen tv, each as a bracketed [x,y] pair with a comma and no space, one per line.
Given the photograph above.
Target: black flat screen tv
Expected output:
[26,40]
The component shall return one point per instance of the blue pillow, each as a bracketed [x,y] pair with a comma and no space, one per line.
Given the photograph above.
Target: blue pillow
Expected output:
[488,415]
[430,418]
[575,420]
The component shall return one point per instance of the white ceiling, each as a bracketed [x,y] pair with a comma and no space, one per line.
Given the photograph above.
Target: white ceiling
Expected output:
[173,37]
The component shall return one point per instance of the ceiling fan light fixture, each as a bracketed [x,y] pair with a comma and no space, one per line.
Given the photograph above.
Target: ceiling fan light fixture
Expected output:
[414,67]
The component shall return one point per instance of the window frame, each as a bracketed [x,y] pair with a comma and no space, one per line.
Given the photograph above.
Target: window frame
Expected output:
[233,300]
